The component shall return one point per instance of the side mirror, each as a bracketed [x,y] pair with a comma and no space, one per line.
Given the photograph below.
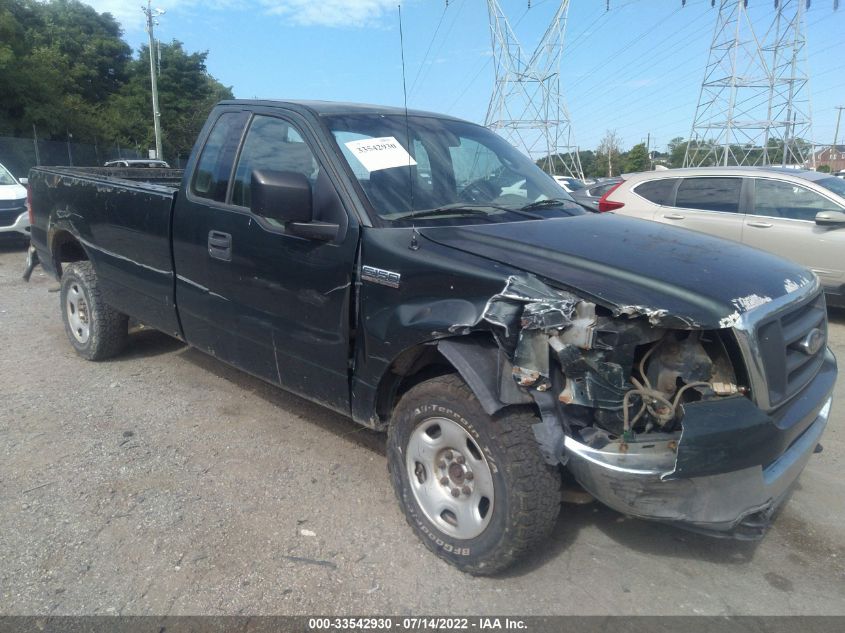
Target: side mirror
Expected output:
[23,181]
[284,196]
[830,218]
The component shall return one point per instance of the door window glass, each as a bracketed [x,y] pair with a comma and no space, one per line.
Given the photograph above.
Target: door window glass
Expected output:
[779,199]
[275,145]
[658,191]
[709,194]
[211,177]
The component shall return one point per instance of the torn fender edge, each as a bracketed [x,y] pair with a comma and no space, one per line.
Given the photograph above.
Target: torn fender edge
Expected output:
[487,371]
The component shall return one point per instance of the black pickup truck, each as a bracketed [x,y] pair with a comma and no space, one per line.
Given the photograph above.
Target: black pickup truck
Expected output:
[417,274]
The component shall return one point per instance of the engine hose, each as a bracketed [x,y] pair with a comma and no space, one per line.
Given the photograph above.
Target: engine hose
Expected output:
[651,398]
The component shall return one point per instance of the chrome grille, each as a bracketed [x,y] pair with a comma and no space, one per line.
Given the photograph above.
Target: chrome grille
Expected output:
[792,345]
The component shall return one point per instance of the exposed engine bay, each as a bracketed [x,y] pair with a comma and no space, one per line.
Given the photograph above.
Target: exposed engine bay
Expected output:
[617,379]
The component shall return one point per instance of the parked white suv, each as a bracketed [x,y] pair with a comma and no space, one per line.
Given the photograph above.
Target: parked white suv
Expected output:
[794,213]
[14,217]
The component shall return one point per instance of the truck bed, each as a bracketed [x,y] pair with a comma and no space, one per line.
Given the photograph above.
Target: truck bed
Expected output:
[122,217]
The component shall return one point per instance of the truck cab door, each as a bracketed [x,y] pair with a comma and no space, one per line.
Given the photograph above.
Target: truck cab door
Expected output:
[250,292]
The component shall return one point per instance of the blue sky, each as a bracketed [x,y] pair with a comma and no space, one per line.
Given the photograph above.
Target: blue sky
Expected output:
[636,69]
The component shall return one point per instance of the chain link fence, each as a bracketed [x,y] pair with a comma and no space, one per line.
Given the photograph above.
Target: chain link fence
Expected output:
[18,155]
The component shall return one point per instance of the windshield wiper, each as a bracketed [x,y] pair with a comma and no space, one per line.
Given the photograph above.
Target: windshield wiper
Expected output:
[548,202]
[457,208]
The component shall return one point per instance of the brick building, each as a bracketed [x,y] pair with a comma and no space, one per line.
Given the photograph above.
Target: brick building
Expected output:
[832,155]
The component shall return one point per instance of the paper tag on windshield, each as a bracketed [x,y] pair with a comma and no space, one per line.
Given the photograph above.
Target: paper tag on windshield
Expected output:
[380,153]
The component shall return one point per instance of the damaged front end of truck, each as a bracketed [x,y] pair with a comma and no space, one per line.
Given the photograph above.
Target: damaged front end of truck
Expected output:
[657,416]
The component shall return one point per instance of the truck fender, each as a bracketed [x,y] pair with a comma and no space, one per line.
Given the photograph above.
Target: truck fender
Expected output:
[486,370]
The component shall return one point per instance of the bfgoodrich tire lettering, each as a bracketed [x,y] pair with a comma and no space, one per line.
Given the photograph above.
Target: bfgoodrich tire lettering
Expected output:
[95,329]
[463,447]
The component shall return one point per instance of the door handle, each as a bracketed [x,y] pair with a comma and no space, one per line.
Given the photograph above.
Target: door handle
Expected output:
[761,225]
[674,216]
[220,245]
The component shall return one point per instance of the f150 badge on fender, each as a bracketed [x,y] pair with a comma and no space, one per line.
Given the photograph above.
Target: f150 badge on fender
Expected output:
[380,276]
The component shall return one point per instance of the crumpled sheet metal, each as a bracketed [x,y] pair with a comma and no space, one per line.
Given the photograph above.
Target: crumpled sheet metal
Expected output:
[523,314]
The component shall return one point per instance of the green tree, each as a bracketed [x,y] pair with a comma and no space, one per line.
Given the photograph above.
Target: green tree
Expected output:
[58,61]
[637,159]
[677,150]
[186,95]
[825,169]
[65,69]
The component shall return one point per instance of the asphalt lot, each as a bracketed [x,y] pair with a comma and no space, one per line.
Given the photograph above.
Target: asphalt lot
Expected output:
[163,482]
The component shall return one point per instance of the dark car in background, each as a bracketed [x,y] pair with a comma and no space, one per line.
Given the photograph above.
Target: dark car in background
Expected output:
[590,196]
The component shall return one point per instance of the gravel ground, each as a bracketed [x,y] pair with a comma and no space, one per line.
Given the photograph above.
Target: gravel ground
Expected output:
[164,482]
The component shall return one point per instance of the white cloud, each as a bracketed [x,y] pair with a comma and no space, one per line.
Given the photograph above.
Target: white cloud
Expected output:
[335,13]
[331,13]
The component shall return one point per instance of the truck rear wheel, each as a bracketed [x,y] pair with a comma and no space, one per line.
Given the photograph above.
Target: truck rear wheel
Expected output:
[95,329]
[474,488]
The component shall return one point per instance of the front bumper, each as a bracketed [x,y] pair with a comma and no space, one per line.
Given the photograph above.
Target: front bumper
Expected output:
[19,225]
[644,481]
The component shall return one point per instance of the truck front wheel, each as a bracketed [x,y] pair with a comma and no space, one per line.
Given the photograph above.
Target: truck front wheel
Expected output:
[95,329]
[474,487]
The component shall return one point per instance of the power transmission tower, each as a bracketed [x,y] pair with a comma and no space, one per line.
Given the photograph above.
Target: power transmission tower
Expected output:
[754,105]
[527,105]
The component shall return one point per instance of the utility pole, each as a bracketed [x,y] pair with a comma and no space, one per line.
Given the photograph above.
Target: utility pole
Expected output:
[35,143]
[527,105]
[836,133]
[151,21]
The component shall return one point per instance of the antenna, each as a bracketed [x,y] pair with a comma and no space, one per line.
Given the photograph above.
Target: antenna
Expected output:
[407,124]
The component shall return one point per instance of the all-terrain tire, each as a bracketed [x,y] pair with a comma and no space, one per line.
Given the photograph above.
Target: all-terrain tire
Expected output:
[525,490]
[95,329]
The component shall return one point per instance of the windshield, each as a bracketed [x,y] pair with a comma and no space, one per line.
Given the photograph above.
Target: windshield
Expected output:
[451,172]
[6,178]
[834,184]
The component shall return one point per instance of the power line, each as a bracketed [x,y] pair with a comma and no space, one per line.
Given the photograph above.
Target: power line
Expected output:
[668,55]
[428,50]
[484,66]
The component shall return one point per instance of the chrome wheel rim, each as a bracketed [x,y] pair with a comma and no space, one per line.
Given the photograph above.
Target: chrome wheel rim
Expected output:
[450,478]
[78,315]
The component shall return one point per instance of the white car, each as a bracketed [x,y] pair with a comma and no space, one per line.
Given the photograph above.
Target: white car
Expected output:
[793,213]
[14,216]
[138,162]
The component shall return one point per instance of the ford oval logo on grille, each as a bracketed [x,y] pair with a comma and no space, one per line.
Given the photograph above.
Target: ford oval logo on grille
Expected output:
[812,343]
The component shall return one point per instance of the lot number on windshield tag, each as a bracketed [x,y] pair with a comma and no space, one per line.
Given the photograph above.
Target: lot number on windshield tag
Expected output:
[380,153]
